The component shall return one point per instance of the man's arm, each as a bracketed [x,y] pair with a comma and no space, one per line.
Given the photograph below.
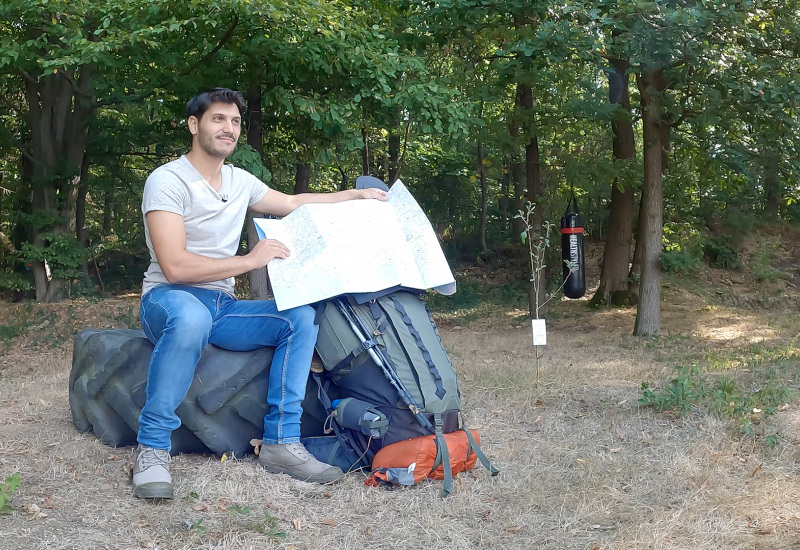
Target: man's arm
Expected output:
[280,204]
[168,235]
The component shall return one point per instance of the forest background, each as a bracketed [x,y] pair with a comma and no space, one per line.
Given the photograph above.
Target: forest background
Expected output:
[672,122]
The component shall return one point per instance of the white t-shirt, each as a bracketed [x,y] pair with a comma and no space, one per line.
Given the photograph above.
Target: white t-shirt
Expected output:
[213,220]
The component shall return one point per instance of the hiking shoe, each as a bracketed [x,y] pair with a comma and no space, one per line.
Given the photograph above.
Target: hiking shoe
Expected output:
[151,477]
[295,460]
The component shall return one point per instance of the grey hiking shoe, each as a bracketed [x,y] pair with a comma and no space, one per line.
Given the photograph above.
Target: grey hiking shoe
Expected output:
[151,478]
[295,460]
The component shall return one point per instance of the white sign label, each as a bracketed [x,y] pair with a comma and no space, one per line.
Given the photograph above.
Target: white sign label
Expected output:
[539,332]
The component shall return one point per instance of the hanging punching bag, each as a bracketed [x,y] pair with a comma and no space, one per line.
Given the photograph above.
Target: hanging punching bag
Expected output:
[574,269]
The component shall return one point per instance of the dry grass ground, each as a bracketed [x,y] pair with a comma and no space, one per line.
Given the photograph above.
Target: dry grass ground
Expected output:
[583,465]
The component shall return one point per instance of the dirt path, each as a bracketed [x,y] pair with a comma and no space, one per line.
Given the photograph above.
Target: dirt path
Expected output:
[584,466]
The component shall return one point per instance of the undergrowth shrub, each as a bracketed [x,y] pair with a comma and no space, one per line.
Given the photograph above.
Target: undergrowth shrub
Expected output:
[763,257]
[679,261]
[720,253]
[683,248]
[721,395]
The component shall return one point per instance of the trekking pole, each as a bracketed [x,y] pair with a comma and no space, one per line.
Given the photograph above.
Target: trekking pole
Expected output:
[380,359]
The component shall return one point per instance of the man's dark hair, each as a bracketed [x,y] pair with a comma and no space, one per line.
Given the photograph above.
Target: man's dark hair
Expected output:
[200,103]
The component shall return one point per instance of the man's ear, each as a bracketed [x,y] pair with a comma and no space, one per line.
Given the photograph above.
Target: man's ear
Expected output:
[193,122]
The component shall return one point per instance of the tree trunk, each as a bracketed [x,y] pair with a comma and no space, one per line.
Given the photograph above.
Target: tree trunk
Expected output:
[533,189]
[60,109]
[302,178]
[614,274]
[648,312]
[256,278]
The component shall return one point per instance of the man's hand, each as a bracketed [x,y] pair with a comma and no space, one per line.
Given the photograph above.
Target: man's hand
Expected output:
[371,193]
[266,250]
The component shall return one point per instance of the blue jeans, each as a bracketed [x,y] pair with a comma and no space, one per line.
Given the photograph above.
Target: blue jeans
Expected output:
[181,320]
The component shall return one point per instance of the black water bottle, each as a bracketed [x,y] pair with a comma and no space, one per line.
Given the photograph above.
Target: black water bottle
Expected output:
[574,269]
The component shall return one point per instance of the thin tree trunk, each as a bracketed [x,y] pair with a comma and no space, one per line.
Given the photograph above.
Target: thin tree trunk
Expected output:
[393,146]
[484,198]
[302,178]
[648,312]
[517,181]
[365,153]
[772,187]
[615,271]
[80,212]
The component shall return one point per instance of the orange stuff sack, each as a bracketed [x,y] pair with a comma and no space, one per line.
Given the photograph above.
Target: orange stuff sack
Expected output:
[412,460]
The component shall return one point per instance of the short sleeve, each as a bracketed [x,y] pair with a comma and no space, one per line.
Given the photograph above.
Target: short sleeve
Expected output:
[258,189]
[163,190]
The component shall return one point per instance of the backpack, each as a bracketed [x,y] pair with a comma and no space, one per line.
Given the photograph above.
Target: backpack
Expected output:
[387,379]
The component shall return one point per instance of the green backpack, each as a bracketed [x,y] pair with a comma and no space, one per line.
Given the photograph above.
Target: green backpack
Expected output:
[386,376]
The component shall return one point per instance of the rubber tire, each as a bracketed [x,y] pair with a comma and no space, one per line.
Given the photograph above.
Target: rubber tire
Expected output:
[223,410]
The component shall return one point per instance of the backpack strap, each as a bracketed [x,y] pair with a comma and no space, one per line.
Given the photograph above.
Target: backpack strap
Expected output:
[380,319]
[350,357]
[442,455]
[437,378]
[474,447]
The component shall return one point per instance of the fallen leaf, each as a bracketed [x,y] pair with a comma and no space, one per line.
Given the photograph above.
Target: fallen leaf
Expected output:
[327,494]
[112,457]
[368,531]
[488,500]
[201,507]
[224,457]
[256,443]
[296,524]
[326,521]
[33,512]
[223,504]
[784,407]
[48,503]
[512,529]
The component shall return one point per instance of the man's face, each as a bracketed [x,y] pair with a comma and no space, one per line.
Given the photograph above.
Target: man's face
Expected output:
[218,130]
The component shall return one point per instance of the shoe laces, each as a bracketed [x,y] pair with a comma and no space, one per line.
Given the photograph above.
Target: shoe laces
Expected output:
[300,451]
[154,457]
